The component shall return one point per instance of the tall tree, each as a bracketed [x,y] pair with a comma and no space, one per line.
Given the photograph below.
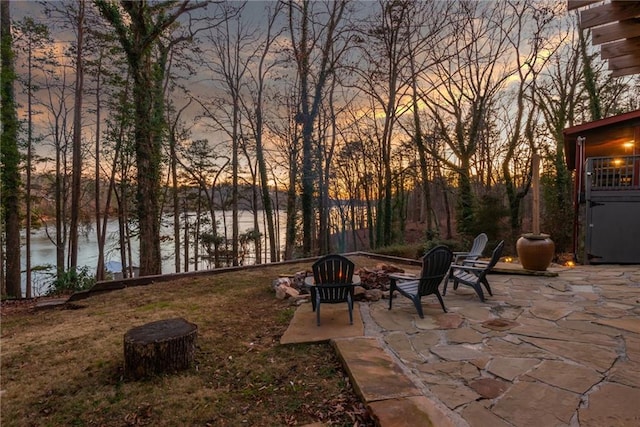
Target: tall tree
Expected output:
[201,160]
[304,41]
[387,87]
[10,158]
[176,133]
[399,47]
[468,82]
[98,75]
[57,111]
[102,68]
[558,94]
[256,118]
[232,46]
[528,22]
[32,38]
[423,53]
[140,26]
[76,174]
[288,141]
[589,76]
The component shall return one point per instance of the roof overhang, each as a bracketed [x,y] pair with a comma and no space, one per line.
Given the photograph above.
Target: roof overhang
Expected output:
[612,136]
[616,26]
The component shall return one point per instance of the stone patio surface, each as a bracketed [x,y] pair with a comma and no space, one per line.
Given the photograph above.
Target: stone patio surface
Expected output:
[542,351]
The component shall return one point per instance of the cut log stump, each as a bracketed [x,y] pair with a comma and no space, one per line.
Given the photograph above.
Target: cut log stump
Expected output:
[159,347]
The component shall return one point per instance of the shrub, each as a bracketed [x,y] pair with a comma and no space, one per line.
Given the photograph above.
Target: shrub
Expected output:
[71,281]
[411,251]
[454,245]
[417,250]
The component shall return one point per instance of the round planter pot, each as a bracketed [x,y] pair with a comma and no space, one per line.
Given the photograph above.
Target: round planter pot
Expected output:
[535,251]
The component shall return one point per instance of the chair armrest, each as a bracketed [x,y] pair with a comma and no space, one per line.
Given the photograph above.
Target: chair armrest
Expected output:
[466,267]
[475,263]
[462,256]
[406,276]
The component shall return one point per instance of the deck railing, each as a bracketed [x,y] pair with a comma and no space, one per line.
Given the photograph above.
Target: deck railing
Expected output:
[614,173]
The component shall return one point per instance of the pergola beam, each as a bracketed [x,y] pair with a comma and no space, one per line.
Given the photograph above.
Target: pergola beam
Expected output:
[620,48]
[609,12]
[615,25]
[625,61]
[575,4]
[625,71]
[617,31]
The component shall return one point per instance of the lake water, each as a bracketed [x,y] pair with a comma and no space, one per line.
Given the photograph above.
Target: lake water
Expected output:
[43,251]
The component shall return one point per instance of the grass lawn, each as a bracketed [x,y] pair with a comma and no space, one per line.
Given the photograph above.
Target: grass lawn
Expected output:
[65,367]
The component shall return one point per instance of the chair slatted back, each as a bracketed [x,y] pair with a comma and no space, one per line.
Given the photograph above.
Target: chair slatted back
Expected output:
[495,255]
[333,269]
[435,265]
[478,246]
[333,293]
[333,276]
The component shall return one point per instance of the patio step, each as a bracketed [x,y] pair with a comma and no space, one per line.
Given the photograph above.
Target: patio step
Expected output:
[390,395]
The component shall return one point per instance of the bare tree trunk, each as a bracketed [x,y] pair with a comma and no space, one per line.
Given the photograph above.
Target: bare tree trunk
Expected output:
[322,170]
[256,222]
[176,202]
[27,239]
[60,188]
[311,97]
[196,234]
[122,243]
[234,180]
[277,218]
[100,270]
[422,151]
[291,205]
[267,204]
[76,179]
[325,172]
[175,186]
[186,240]
[112,189]
[447,207]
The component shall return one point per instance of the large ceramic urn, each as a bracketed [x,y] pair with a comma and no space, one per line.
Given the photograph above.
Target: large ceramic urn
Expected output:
[535,251]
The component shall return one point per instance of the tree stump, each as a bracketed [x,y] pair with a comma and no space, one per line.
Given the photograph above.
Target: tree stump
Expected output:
[159,347]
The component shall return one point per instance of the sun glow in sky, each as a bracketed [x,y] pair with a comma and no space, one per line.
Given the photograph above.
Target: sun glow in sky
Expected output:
[447,84]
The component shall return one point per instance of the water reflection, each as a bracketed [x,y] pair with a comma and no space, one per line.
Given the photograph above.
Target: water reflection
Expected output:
[43,251]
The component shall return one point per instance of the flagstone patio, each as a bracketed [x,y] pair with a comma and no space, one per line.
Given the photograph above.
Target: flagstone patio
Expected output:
[546,351]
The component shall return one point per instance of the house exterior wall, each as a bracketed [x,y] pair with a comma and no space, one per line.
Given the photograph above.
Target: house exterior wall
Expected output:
[612,210]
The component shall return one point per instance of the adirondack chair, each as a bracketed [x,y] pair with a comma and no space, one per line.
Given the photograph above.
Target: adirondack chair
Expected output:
[474,253]
[333,283]
[435,265]
[474,274]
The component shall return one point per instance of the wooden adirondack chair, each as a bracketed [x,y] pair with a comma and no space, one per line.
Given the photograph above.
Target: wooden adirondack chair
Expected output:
[474,253]
[474,274]
[333,277]
[435,265]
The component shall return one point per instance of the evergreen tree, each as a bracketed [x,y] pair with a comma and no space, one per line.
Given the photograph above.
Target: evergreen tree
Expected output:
[140,26]
[10,158]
